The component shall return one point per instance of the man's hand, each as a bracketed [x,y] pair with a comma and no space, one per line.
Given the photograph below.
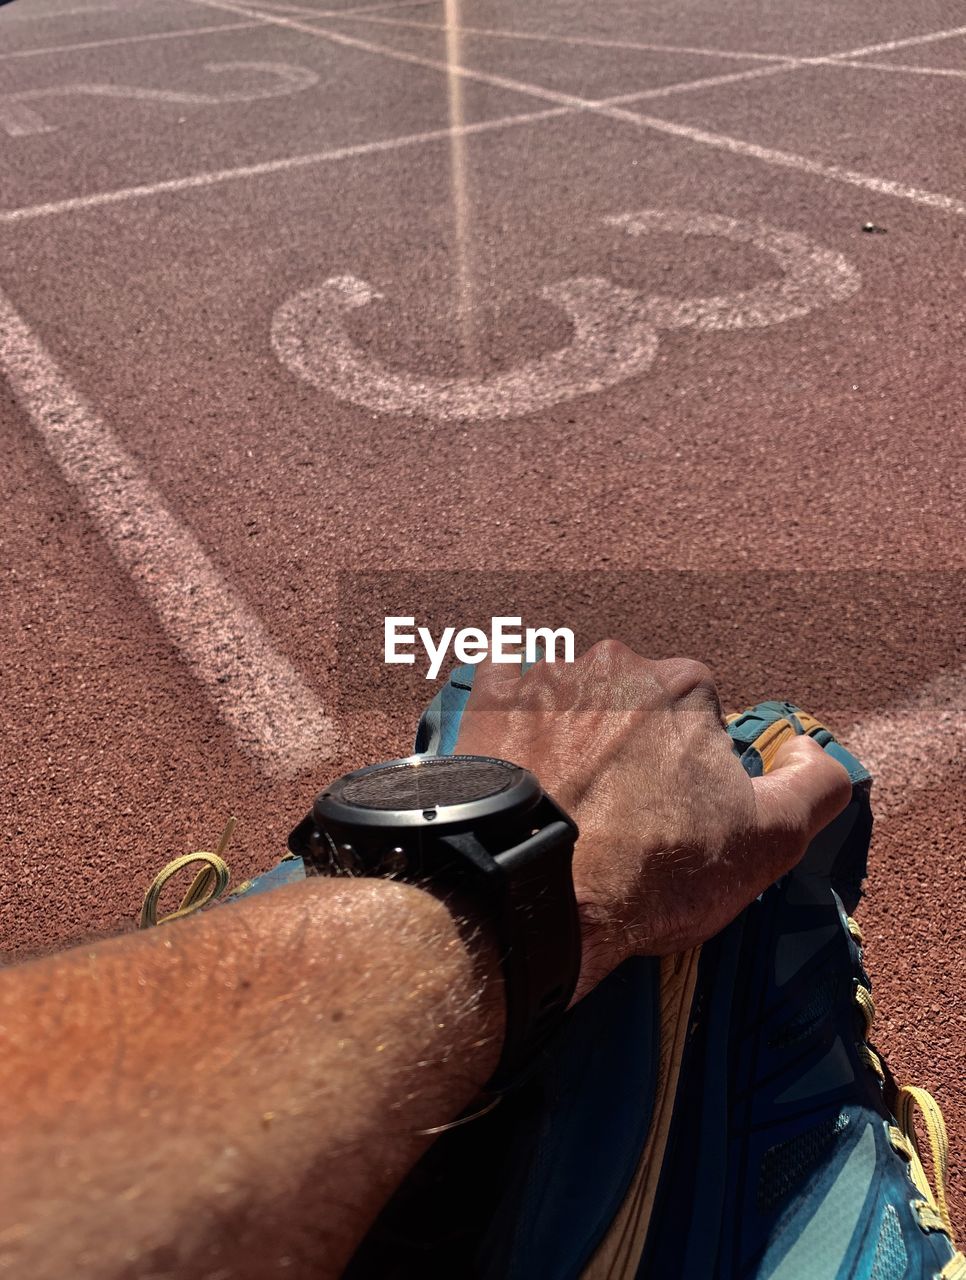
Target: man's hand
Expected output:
[675,839]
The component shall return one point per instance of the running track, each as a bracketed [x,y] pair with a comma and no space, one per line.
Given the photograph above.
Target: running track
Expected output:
[309,314]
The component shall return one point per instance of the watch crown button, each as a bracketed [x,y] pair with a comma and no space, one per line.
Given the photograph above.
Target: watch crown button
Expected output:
[348,860]
[394,862]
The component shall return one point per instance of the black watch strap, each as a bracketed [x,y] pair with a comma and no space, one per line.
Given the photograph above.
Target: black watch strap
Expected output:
[538,931]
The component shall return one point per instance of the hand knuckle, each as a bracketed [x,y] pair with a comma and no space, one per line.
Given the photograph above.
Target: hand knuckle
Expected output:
[682,676]
[608,650]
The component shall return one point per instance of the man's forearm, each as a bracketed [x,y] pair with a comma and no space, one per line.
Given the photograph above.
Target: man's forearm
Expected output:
[236,1089]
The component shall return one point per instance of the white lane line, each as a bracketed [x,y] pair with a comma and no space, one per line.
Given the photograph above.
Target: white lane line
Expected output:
[356,9]
[914,742]
[780,62]
[154,35]
[659,91]
[906,43]
[543,37]
[790,160]
[792,61]
[902,67]
[689,86]
[273,715]
[379,8]
[887,46]
[704,137]
[214,177]
[53,14]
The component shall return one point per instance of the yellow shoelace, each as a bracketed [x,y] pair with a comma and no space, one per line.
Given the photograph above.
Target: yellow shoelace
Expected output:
[932,1209]
[208,885]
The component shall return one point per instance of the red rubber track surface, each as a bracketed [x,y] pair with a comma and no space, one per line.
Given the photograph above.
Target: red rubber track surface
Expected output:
[781,500]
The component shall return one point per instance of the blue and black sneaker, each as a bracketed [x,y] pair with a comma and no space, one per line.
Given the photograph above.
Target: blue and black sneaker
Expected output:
[771,1147]
[787,1157]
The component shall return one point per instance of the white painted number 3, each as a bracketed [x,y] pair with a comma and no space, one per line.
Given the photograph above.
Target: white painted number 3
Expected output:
[615,330]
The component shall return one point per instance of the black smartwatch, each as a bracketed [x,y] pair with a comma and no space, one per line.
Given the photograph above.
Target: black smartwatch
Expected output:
[482,829]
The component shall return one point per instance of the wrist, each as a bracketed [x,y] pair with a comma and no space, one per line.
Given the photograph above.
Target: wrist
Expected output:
[602,907]
[600,949]
[439,960]
[456,910]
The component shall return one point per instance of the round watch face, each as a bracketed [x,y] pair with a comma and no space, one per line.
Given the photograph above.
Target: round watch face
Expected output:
[427,791]
[428,782]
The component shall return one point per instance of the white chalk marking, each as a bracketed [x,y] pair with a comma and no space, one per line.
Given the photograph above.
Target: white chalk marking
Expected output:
[215,177]
[362,8]
[901,67]
[792,59]
[780,62]
[16,119]
[265,703]
[691,86]
[634,46]
[52,14]
[610,343]
[704,137]
[615,330]
[907,42]
[103,44]
[128,6]
[911,744]
[790,160]
[812,276]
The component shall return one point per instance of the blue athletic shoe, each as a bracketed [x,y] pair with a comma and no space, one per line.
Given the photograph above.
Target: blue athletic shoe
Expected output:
[783,1158]
[770,1150]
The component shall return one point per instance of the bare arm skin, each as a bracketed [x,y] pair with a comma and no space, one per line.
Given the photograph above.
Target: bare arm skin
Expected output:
[236,1096]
